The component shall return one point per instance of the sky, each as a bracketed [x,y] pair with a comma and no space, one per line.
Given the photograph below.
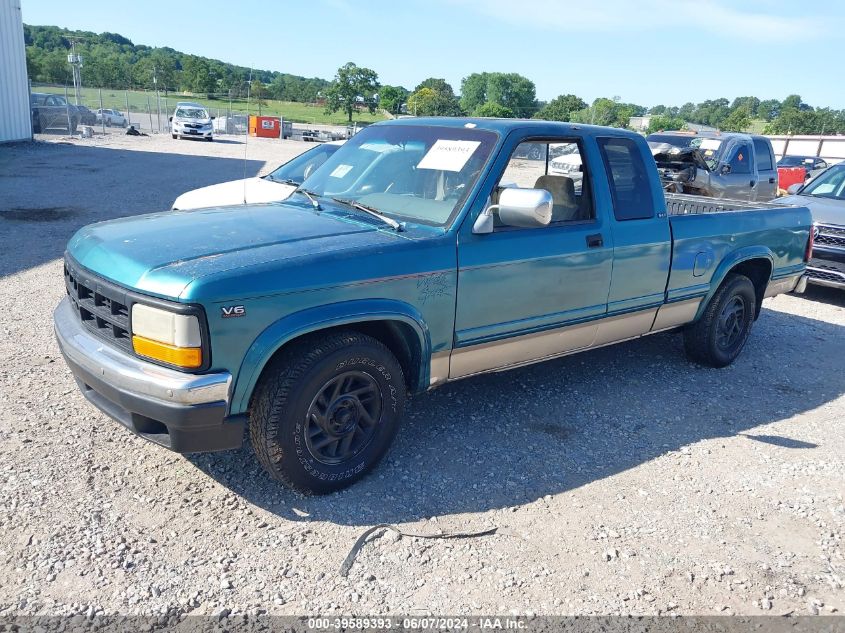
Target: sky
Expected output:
[647,52]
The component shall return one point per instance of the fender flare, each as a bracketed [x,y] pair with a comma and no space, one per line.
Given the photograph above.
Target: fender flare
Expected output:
[727,264]
[323,317]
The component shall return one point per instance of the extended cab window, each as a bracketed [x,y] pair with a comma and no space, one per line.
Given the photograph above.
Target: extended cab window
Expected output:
[629,181]
[555,166]
[764,156]
[740,160]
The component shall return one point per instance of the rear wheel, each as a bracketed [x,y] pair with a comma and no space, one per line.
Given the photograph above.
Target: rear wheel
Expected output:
[175,135]
[326,411]
[209,138]
[718,337]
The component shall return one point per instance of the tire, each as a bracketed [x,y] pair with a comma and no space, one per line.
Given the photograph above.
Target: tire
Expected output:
[209,139]
[321,394]
[108,122]
[176,136]
[718,337]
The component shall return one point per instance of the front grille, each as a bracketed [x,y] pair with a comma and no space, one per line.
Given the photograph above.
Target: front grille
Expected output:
[830,236]
[102,306]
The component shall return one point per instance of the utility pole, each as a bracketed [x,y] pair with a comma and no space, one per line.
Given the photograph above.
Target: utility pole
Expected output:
[75,62]
[158,99]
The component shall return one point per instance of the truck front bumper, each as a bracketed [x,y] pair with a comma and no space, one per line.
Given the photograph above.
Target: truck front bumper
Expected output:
[183,412]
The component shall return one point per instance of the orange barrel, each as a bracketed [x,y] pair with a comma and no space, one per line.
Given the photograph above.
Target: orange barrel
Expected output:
[264,126]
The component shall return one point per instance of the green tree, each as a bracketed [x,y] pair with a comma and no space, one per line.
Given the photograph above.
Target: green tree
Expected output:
[510,90]
[665,122]
[561,108]
[391,98]
[352,85]
[494,110]
[737,121]
[434,97]
[768,109]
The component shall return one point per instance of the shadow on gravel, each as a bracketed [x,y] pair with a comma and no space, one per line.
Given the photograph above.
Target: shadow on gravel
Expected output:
[777,440]
[36,220]
[823,294]
[509,439]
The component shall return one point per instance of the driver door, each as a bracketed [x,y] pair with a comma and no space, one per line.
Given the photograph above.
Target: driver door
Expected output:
[531,293]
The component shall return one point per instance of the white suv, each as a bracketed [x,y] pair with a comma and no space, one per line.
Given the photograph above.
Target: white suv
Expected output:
[191,119]
[110,117]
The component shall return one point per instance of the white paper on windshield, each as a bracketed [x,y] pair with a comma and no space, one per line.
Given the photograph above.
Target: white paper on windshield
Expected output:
[448,155]
[340,171]
[710,143]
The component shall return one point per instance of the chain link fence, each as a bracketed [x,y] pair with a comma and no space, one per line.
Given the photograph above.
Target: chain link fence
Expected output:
[61,110]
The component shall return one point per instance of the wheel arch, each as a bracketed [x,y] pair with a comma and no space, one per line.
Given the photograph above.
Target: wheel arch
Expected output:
[395,324]
[756,263]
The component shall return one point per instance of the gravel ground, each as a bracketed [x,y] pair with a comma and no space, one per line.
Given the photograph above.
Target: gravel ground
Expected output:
[624,480]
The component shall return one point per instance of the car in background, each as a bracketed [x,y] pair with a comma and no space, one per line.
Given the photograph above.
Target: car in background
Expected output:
[191,120]
[52,112]
[812,164]
[566,162]
[825,197]
[716,164]
[110,117]
[276,186]
[86,116]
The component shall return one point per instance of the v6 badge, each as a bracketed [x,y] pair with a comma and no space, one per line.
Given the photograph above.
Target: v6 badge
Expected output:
[233,311]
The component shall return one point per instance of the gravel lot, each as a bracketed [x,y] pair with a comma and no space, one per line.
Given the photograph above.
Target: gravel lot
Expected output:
[624,480]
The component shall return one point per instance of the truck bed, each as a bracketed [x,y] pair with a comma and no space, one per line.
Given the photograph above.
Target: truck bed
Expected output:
[685,204]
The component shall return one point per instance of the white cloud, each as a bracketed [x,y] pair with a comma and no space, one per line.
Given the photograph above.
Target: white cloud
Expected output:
[607,16]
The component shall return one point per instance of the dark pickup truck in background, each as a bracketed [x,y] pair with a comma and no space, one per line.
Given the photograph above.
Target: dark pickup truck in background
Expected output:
[715,164]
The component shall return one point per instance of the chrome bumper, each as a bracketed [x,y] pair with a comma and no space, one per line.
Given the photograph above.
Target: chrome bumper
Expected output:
[130,374]
[183,412]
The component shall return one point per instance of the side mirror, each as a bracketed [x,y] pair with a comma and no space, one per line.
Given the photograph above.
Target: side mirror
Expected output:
[170,119]
[794,188]
[527,208]
[726,169]
[214,117]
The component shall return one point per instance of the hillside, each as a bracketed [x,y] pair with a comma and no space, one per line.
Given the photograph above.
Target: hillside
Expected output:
[114,61]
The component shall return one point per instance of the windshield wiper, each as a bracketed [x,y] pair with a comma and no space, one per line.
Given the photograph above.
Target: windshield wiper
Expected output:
[371,211]
[308,194]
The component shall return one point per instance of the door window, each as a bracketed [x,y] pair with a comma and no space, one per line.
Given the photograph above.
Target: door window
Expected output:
[629,182]
[557,167]
[763,155]
[740,160]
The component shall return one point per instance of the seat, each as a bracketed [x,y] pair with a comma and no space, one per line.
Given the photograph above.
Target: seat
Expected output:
[565,204]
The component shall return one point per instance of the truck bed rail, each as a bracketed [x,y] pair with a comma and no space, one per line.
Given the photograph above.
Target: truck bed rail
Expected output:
[684,204]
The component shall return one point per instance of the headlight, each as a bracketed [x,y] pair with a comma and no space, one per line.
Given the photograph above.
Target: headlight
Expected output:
[167,337]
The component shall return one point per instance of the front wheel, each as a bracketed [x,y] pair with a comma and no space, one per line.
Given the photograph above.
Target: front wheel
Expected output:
[326,411]
[718,337]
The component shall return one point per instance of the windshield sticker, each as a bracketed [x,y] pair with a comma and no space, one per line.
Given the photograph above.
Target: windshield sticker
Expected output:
[710,143]
[448,155]
[340,171]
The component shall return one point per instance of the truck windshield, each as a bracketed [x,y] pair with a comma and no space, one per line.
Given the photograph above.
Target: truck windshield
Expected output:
[710,148]
[406,172]
[831,184]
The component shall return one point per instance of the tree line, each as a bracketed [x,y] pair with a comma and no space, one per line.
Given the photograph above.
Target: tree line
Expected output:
[114,61]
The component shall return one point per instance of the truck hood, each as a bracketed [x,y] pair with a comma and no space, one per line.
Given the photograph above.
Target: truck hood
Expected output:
[162,253]
[824,210]
[255,190]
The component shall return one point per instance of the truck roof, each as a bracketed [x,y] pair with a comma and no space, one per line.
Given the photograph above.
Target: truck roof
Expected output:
[503,126]
[709,134]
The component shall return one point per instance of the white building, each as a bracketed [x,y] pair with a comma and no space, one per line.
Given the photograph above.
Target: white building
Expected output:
[15,118]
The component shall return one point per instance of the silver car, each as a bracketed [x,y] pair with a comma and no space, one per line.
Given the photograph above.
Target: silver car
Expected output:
[110,117]
[825,197]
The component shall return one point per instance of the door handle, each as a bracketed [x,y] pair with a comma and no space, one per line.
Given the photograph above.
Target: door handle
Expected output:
[772,180]
[595,241]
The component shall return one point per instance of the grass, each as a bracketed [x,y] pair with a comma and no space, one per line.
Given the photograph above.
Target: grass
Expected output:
[139,100]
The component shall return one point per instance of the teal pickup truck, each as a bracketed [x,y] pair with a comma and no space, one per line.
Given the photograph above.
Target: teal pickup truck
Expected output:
[421,252]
